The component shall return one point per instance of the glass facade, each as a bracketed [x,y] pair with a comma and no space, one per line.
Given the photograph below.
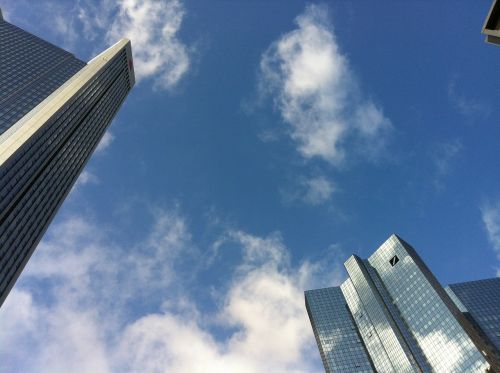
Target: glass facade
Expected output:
[427,316]
[480,302]
[371,339]
[340,345]
[380,318]
[53,113]
[406,320]
[30,70]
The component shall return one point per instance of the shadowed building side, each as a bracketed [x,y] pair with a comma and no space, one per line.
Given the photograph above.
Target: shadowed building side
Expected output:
[491,26]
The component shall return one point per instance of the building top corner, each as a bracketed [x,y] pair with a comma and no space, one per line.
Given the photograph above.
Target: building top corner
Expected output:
[491,26]
[122,44]
[313,291]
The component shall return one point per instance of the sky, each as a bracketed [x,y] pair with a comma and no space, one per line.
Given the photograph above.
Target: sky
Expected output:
[263,144]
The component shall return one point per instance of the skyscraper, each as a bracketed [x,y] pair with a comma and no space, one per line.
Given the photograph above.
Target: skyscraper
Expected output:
[54,109]
[491,27]
[392,315]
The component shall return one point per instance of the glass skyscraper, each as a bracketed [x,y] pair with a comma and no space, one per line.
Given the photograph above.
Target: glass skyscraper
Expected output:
[54,109]
[392,315]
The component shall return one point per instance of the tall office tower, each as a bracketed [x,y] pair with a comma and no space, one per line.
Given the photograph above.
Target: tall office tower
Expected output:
[392,315]
[54,109]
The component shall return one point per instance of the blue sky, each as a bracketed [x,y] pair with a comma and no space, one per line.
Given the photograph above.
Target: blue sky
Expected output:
[262,145]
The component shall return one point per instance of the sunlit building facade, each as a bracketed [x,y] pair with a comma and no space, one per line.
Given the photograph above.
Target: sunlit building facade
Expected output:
[54,109]
[392,315]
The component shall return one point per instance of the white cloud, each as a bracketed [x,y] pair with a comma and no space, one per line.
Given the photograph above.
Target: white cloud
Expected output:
[315,91]
[313,190]
[61,339]
[466,106]
[319,190]
[63,25]
[86,177]
[454,347]
[491,219]
[266,301]
[105,142]
[87,304]
[153,27]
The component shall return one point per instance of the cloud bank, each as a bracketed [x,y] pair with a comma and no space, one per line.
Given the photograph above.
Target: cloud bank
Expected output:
[86,303]
[317,94]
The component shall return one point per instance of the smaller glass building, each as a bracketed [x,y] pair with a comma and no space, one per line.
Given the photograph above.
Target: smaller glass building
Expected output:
[392,315]
[479,301]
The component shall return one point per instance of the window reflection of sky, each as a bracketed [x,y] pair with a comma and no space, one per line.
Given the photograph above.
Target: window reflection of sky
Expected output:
[400,313]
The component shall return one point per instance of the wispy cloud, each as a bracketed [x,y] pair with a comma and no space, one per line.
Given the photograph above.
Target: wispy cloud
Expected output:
[444,156]
[63,25]
[466,105]
[491,219]
[319,190]
[153,27]
[317,94]
[89,304]
[86,177]
[314,191]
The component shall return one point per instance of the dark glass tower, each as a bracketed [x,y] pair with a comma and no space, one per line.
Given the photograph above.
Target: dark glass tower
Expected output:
[392,315]
[54,109]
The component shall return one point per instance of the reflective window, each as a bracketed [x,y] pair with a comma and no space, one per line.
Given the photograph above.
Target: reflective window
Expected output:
[482,302]
[340,345]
